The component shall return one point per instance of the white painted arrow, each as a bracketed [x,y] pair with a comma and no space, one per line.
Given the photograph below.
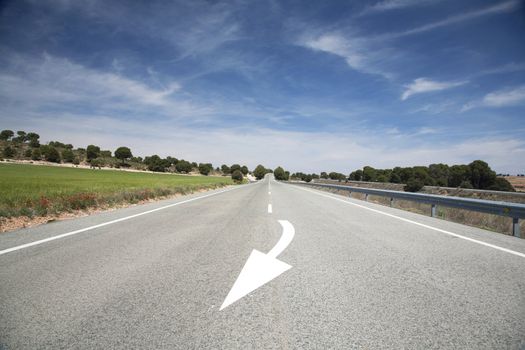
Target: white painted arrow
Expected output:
[261,268]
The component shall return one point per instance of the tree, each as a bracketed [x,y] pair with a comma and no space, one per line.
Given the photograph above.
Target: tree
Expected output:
[8,152]
[184,166]
[395,178]
[244,170]
[324,175]
[237,176]
[279,173]
[502,184]
[68,156]
[105,153]
[481,175]
[123,153]
[235,167]
[92,152]
[28,153]
[336,176]
[439,172]
[21,136]
[457,175]
[356,175]
[33,139]
[225,169]
[259,172]
[50,154]
[205,168]
[155,163]
[5,135]
[369,173]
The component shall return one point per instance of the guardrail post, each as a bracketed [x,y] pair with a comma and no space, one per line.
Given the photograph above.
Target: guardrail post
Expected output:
[366,197]
[433,210]
[392,201]
[516,227]
[350,194]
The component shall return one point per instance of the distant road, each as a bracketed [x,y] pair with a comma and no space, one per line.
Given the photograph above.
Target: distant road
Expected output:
[330,272]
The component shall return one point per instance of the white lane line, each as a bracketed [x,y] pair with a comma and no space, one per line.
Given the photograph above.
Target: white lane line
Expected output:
[27,245]
[269,192]
[420,224]
[269,208]
[285,240]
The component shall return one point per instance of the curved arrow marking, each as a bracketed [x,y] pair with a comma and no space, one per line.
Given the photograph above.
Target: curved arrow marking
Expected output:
[286,239]
[261,268]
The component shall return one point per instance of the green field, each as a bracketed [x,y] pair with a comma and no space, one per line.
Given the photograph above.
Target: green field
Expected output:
[31,190]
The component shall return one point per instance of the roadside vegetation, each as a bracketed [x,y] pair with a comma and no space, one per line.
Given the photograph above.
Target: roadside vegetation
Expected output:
[26,146]
[476,175]
[33,191]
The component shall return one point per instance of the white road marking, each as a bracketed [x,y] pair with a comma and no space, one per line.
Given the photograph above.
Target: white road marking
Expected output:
[27,245]
[261,268]
[269,192]
[420,224]
[269,208]
[284,241]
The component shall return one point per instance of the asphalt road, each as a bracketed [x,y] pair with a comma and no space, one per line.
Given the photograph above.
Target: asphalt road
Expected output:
[359,278]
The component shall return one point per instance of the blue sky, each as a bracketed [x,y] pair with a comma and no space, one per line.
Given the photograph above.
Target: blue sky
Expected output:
[310,85]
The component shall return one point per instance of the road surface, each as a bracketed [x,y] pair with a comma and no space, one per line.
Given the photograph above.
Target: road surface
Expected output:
[359,276]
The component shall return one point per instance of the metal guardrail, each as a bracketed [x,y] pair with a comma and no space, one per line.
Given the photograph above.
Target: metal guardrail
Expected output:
[515,211]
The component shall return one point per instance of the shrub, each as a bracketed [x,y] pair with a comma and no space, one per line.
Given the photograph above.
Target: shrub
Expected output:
[28,153]
[8,152]
[466,184]
[413,185]
[279,174]
[50,154]
[183,166]
[237,176]
[36,154]
[205,168]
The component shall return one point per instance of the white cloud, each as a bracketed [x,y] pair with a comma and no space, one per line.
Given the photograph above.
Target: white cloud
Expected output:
[423,85]
[501,98]
[495,9]
[356,51]
[52,81]
[387,5]
[505,98]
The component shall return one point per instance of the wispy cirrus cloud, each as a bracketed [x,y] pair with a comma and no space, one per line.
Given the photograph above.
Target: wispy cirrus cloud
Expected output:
[503,7]
[500,98]
[424,85]
[387,5]
[50,81]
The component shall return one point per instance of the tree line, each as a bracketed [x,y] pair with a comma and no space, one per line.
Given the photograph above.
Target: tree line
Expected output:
[476,175]
[27,146]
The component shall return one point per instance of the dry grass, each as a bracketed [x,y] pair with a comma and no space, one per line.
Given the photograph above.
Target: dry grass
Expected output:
[518,182]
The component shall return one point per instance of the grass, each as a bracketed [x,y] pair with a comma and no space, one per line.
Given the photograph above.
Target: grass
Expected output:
[30,190]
